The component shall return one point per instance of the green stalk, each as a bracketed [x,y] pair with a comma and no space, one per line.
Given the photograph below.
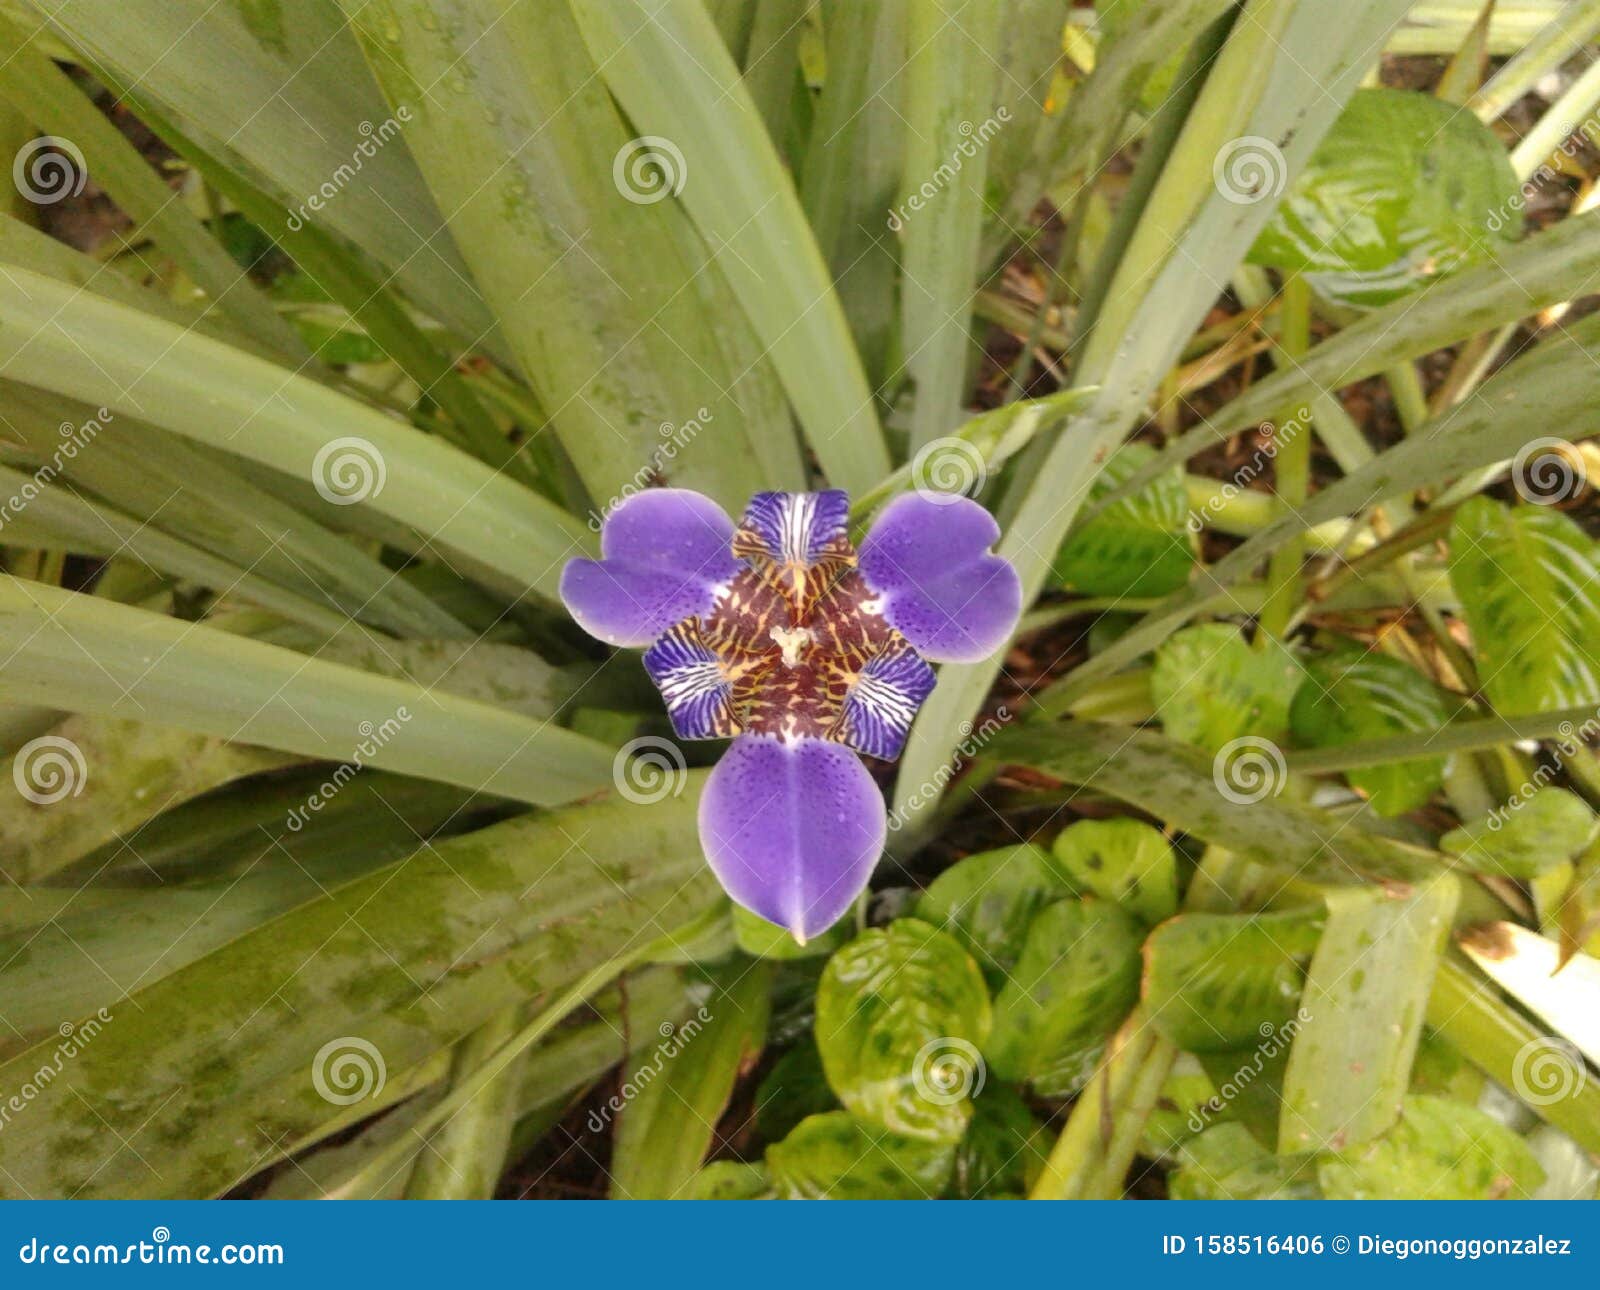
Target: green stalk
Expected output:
[1292,465]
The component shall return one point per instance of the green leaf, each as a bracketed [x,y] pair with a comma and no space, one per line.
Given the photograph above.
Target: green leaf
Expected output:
[986,901]
[1346,699]
[667,1128]
[1211,688]
[902,1012]
[1004,1149]
[1226,1163]
[794,1088]
[1137,546]
[1074,983]
[1124,861]
[1440,1150]
[1525,577]
[763,940]
[728,1180]
[1365,997]
[834,1157]
[1401,190]
[1219,982]
[1526,837]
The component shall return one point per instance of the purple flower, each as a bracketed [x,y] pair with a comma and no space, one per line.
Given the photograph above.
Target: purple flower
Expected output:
[781,635]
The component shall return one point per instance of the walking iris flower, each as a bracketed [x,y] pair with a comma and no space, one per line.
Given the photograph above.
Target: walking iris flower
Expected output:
[780,634]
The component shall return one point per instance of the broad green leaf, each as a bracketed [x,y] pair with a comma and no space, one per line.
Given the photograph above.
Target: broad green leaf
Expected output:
[666,1129]
[1187,1105]
[1124,861]
[1218,982]
[1138,546]
[1399,191]
[763,940]
[794,1088]
[1439,1150]
[117,661]
[667,67]
[1525,837]
[1349,698]
[1074,983]
[834,1157]
[406,960]
[986,901]
[902,1012]
[1526,577]
[1211,687]
[1226,1163]
[1365,997]
[728,1180]
[1004,1148]
[109,355]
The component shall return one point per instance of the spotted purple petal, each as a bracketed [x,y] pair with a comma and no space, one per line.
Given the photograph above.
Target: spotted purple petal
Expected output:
[796,530]
[885,697]
[667,554]
[698,694]
[939,584]
[792,829]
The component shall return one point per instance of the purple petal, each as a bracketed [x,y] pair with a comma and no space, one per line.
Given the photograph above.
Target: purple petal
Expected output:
[885,697]
[940,586]
[792,830]
[796,530]
[699,696]
[667,554]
